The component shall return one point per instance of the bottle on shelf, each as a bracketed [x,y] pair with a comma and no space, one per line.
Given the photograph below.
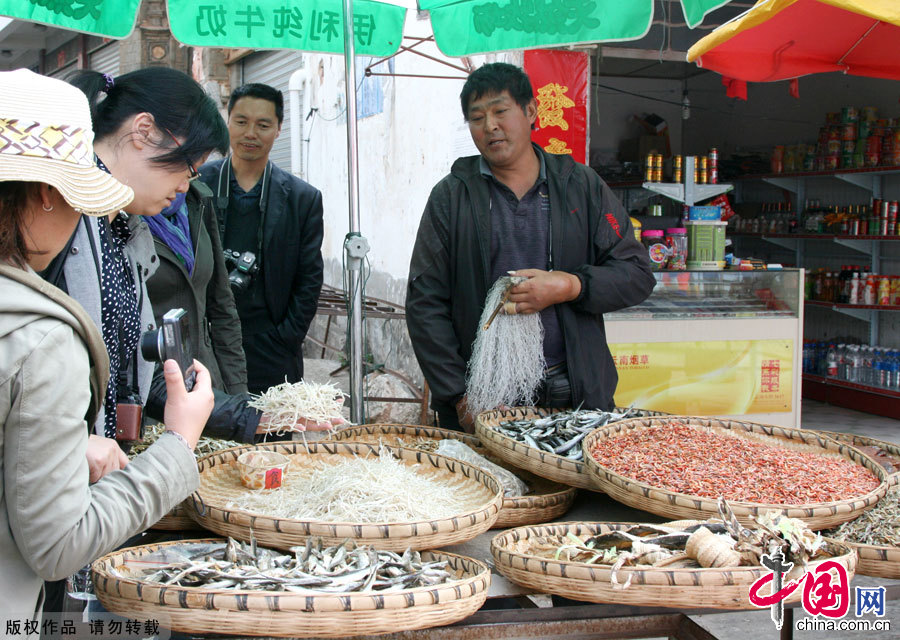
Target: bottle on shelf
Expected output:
[884,290]
[853,297]
[831,362]
[869,292]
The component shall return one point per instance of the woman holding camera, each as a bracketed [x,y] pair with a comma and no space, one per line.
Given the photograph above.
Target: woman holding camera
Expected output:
[152,127]
[54,364]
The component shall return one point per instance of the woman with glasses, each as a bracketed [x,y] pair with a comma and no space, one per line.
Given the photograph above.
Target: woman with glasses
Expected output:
[152,126]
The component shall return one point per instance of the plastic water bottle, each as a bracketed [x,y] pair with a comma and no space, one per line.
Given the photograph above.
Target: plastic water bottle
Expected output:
[831,362]
[841,354]
[854,363]
[879,369]
[894,370]
[866,377]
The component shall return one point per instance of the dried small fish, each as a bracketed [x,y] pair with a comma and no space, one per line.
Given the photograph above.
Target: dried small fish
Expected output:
[879,525]
[345,568]
[560,433]
[205,445]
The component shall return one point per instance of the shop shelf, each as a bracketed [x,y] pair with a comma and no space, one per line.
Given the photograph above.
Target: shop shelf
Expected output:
[841,305]
[860,397]
[810,236]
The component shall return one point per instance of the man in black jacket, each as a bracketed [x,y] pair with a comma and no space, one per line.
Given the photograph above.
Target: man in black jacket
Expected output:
[277,218]
[516,208]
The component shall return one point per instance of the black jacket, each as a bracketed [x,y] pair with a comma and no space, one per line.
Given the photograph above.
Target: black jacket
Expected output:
[291,256]
[214,325]
[449,275]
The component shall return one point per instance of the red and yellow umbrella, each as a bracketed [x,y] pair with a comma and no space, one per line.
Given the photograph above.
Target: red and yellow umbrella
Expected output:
[783,39]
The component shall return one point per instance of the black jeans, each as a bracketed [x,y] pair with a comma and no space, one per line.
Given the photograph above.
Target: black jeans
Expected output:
[270,361]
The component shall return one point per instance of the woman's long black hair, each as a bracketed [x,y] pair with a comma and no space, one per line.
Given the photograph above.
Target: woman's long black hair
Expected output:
[178,105]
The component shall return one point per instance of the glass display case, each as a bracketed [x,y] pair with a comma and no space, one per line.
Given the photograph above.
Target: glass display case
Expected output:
[693,295]
[713,343]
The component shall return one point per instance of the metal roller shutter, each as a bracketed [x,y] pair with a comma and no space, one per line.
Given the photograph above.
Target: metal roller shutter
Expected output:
[274,68]
[106,60]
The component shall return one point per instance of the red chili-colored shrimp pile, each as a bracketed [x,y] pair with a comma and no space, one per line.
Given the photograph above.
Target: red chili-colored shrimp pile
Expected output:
[697,462]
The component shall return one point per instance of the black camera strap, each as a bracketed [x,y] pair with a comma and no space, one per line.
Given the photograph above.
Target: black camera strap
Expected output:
[223,203]
[127,379]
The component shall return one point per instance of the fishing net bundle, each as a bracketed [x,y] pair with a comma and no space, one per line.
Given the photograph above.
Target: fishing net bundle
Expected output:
[507,362]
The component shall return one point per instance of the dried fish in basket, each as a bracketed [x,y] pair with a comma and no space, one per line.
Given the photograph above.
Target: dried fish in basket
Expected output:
[179,519]
[312,592]
[875,535]
[546,442]
[887,454]
[650,564]
[350,503]
[670,474]
[545,500]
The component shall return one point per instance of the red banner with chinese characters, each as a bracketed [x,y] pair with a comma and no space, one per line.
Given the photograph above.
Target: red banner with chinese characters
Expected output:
[561,82]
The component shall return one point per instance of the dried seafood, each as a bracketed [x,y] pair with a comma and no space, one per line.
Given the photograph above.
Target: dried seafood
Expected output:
[559,433]
[205,445]
[288,404]
[716,543]
[877,526]
[701,462]
[355,489]
[344,568]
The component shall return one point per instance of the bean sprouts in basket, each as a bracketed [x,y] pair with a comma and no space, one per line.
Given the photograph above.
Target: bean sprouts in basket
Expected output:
[374,489]
[288,403]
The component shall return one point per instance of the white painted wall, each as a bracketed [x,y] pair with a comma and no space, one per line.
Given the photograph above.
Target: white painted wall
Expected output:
[403,152]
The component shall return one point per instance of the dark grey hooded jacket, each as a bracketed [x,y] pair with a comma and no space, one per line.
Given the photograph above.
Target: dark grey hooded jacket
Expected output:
[449,275]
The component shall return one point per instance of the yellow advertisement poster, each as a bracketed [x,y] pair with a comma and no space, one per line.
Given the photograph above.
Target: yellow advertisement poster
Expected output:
[727,377]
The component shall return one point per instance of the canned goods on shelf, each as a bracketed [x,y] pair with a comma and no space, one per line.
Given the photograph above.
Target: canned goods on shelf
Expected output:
[658,161]
[677,174]
[648,174]
[657,175]
[713,175]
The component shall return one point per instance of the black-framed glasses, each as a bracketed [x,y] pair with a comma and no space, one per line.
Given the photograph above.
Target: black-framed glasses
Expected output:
[194,174]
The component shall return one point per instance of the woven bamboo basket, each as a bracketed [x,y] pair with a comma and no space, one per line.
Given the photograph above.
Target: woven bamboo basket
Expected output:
[547,500]
[178,519]
[219,484]
[885,449]
[662,587]
[404,435]
[542,463]
[680,506]
[286,614]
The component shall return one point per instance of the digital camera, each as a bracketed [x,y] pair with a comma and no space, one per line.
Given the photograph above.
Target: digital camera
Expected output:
[171,341]
[243,267]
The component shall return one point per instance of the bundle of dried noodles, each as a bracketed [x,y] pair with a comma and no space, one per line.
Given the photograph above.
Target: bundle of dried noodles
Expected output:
[288,404]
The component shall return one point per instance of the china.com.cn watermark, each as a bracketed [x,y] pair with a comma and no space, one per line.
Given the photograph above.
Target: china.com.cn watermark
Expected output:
[825,597]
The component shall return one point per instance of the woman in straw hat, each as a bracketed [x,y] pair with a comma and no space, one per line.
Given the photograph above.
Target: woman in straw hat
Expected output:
[53,363]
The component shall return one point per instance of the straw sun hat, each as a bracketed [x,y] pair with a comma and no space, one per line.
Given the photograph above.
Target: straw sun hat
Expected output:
[46,136]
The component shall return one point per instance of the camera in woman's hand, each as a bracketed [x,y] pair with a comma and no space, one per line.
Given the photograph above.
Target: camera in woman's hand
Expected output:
[171,341]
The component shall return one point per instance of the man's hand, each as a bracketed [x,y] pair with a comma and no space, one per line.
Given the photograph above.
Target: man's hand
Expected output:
[104,456]
[542,289]
[466,419]
[302,424]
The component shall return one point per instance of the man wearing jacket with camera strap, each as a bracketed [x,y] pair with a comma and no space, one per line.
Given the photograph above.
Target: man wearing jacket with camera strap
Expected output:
[277,217]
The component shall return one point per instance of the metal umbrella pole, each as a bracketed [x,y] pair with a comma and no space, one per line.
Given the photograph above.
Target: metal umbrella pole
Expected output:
[355,246]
